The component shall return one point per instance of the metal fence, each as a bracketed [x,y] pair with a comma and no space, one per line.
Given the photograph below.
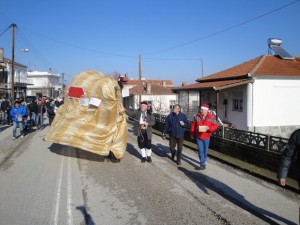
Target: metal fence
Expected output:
[262,141]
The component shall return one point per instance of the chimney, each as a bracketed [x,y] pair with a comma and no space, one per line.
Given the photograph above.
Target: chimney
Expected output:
[183,84]
[148,86]
[164,83]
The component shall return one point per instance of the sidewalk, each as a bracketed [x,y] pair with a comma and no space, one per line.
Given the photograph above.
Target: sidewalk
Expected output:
[249,168]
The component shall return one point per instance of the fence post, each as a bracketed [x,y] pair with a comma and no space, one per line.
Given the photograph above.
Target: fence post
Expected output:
[223,131]
[268,143]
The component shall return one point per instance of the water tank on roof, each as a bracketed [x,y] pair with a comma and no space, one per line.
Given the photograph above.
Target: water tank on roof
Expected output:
[274,41]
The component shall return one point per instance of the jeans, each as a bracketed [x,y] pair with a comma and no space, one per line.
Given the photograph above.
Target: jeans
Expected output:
[20,125]
[4,117]
[202,150]
[39,120]
[33,117]
[25,122]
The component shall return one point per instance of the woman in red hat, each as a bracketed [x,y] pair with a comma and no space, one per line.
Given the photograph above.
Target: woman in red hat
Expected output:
[203,125]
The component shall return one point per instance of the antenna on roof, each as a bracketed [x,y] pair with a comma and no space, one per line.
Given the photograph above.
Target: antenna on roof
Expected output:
[274,44]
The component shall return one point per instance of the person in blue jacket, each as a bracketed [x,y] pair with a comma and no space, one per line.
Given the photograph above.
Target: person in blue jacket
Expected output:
[175,124]
[17,113]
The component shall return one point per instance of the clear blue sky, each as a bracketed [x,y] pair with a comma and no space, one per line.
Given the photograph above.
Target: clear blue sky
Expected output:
[171,35]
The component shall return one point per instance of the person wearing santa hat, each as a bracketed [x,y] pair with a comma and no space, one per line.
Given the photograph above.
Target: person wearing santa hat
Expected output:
[203,125]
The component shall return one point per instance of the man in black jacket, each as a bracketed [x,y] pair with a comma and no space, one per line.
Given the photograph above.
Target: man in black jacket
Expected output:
[290,150]
[143,122]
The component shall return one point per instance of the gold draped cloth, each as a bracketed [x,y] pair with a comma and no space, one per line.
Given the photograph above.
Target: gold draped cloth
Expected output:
[84,123]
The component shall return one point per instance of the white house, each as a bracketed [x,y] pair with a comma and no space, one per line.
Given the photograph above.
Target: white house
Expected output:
[260,95]
[20,79]
[45,83]
[156,92]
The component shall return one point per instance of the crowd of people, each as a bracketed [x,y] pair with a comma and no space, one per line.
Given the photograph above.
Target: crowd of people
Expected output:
[30,116]
[26,116]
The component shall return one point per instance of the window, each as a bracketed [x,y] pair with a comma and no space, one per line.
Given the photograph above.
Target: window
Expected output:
[237,105]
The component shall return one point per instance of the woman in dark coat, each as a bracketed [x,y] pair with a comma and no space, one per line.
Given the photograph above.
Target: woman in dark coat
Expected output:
[51,109]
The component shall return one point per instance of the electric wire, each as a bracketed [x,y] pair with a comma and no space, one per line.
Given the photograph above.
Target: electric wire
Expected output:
[38,56]
[166,49]
[224,30]
[2,33]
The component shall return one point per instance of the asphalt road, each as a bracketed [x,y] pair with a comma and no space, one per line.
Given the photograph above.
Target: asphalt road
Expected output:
[46,183]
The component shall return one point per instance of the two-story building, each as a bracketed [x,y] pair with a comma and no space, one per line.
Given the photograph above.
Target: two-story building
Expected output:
[20,79]
[45,83]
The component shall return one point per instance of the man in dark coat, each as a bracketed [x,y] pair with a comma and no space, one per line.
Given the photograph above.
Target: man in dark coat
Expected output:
[143,122]
[290,150]
[175,124]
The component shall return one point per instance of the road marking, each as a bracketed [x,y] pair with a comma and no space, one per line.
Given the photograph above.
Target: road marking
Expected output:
[69,198]
[57,202]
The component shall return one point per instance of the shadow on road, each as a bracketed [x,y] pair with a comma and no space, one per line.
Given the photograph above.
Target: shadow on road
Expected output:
[4,127]
[205,182]
[131,150]
[75,153]
[164,151]
[161,150]
[190,161]
[87,217]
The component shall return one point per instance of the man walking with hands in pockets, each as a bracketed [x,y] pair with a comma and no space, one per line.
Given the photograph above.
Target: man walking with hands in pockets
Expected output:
[174,126]
[203,125]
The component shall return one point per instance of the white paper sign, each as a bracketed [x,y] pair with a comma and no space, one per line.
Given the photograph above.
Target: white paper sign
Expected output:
[95,101]
[125,93]
[84,102]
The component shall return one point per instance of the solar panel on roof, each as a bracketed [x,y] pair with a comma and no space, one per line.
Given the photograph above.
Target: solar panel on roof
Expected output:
[281,52]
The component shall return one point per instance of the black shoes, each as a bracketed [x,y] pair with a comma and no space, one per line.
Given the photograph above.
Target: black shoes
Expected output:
[173,155]
[144,159]
[202,167]
[148,159]
[112,157]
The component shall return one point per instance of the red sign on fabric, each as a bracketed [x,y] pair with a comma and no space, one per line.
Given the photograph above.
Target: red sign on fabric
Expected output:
[75,92]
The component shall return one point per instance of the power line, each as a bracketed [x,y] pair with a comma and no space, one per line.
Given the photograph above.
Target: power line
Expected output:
[224,30]
[82,48]
[4,31]
[187,59]
[163,50]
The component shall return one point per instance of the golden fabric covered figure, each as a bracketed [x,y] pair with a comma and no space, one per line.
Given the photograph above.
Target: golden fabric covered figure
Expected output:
[92,117]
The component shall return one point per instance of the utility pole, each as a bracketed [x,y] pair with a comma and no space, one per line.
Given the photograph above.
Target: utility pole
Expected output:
[140,67]
[201,67]
[140,76]
[13,26]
